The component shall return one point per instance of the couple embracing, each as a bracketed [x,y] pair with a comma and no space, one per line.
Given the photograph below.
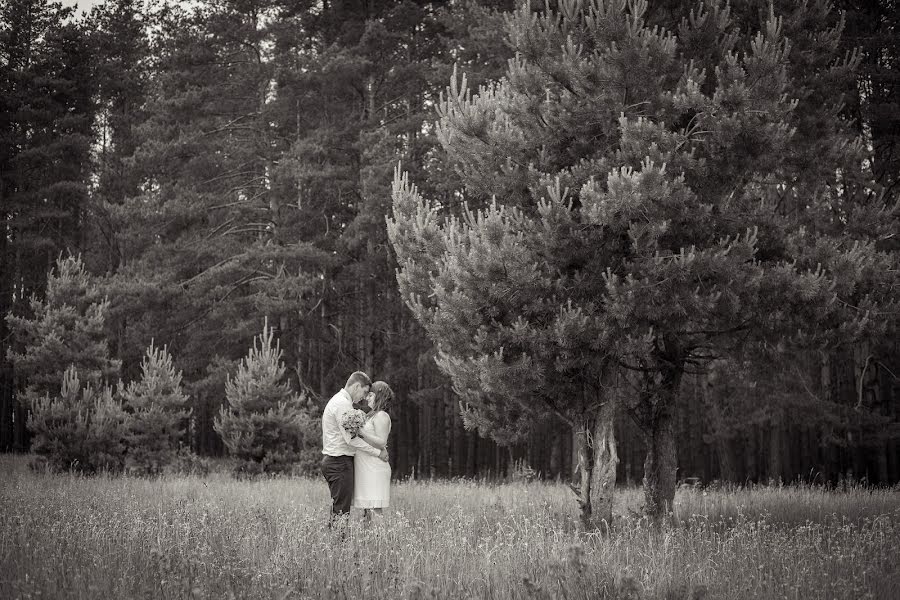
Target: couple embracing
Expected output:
[355,462]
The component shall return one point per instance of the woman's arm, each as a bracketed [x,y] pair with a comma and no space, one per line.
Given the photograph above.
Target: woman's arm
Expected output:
[355,442]
[381,423]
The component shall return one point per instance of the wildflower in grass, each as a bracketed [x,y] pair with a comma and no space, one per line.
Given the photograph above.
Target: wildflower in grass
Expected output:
[353,421]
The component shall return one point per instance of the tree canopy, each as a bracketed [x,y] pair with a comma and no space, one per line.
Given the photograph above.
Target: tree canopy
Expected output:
[649,195]
[219,163]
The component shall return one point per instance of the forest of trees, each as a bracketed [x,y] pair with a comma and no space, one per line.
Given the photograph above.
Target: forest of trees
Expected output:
[222,166]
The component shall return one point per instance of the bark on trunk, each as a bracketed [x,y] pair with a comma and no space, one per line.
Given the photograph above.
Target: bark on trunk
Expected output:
[596,461]
[726,465]
[660,462]
[776,450]
[583,469]
[606,459]
[751,465]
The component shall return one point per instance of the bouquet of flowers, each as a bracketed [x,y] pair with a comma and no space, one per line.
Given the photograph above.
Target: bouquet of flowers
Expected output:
[352,421]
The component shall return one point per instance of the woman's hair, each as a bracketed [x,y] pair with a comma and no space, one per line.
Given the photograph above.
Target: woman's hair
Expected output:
[384,397]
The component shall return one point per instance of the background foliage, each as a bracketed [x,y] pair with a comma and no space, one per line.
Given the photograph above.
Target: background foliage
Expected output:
[225,162]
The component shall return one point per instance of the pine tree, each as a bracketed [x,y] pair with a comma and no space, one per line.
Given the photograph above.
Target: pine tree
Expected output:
[81,428]
[64,341]
[45,135]
[646,196]
[356,96]
[67,328]
[212,239]
[46,114]
[874,29]
[157,413]
[266,426]
[121,48]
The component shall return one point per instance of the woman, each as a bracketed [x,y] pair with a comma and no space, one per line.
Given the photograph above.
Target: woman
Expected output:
[372,476]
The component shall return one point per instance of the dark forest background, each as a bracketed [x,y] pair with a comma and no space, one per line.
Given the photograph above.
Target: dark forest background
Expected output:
[219,163]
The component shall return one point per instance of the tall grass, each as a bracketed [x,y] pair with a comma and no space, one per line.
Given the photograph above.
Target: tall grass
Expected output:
[178,537]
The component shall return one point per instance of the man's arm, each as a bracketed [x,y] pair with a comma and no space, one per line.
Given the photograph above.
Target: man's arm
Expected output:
[356,442]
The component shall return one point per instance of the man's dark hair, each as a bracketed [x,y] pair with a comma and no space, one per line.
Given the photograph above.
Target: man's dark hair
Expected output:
[358,377]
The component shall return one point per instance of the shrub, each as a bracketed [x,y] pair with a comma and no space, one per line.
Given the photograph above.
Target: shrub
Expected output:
[80,429]
[265,425]
[157,413]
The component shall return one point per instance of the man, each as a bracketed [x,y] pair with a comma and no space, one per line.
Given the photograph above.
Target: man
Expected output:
[339,448]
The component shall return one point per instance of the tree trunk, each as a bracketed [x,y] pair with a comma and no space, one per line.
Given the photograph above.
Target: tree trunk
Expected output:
[471,449]
[458,456]
[583,470]
[726,465]
[776,450]
[7,401]
[893,473]
[751,454]
[323,328]
[597,459]
[606,460]
[21,439]
[7,407]
[445,431]
[719,429]
[660,462]
[555,457]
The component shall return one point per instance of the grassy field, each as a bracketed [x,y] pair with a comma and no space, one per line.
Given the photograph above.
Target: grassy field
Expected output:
[180,537]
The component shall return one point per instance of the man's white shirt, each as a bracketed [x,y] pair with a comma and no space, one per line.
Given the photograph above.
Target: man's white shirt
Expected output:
[335,439]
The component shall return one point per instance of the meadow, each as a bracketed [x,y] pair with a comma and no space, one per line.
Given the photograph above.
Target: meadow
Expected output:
[65,536]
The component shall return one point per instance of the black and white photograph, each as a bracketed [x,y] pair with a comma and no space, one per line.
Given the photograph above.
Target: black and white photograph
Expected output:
[450,299]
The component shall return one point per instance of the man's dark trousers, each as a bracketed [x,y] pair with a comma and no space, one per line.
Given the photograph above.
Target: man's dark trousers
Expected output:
[338,472]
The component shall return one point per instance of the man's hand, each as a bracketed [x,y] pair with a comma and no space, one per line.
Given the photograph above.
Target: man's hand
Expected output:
[383,455]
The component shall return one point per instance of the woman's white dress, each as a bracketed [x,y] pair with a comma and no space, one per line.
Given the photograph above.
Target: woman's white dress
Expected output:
[371,475]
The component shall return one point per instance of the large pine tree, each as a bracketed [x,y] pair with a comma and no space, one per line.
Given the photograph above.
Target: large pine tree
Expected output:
[66,328]
[121,45]
[647,196]
[46,115]
[212,238]
[64,342]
